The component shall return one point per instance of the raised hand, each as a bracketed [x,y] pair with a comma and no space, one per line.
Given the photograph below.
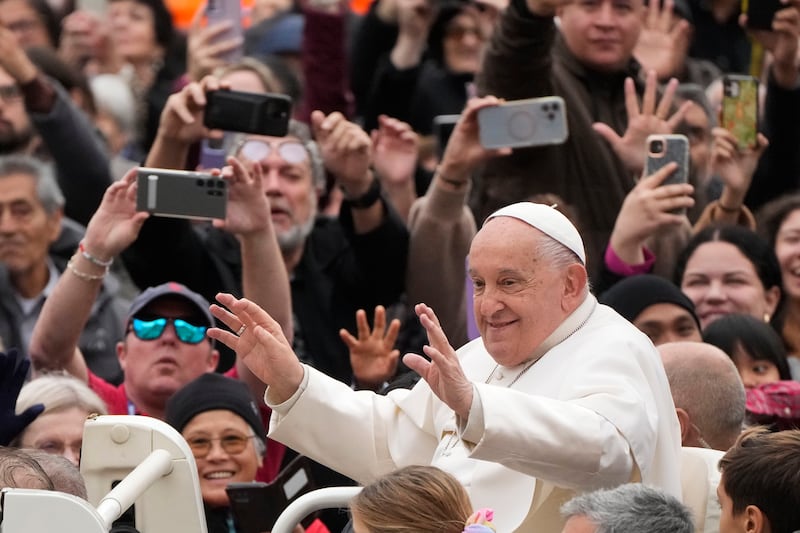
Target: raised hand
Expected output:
[13,373]
[443,372]
[464,151]
[259,341]
[644,121]
[13,58]
[116,223]
[395,148]
[248,208]
[206,51]
[663,43]
[734,166]
[782,42]
[646,209]
[372,355]
[182,117]
[346,150]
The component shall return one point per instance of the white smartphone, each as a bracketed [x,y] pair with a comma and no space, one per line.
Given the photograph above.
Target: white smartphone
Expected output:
[181,194]
[521,123]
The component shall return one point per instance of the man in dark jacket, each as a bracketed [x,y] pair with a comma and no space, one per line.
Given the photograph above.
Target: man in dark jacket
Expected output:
[586,63]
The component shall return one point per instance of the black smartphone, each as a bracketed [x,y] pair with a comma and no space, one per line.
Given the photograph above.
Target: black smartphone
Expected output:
[260,113]
[181,194]
[443,126]
[761,12]
[256,506]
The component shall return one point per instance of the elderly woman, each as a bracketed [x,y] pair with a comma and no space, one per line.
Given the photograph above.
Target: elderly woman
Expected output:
[59,429]
[220,421]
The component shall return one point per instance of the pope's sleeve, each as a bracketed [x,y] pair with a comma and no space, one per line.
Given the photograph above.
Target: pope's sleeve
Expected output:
[359,433]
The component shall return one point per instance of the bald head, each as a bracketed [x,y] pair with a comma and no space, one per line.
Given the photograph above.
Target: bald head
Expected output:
[706,385]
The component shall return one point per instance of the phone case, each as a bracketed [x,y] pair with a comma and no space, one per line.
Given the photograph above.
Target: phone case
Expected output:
[256,506]
[739,113]
[260,113]
[521,123]
[672,148]
[223,10]
[181,194]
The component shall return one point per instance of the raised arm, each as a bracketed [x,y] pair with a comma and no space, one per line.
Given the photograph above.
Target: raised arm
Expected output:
[264,277]
[54,345]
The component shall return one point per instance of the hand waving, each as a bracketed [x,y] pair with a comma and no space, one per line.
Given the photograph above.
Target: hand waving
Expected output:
[372,354]
[650,119]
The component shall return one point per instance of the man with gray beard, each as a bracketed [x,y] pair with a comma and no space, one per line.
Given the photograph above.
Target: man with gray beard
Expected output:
[336,265]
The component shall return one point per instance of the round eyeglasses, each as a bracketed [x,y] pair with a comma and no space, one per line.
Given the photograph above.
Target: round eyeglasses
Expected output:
[259,149]
[231,444]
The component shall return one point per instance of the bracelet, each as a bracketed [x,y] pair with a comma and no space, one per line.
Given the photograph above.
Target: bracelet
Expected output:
[728,209]
[83,275]
[367,199]
[92,259]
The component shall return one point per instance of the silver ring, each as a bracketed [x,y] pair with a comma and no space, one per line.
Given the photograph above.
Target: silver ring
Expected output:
[241,330]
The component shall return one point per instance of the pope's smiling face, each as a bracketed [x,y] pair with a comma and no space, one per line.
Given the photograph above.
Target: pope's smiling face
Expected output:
[518,295]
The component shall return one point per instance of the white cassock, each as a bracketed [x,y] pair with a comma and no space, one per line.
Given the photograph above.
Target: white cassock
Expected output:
[592,409]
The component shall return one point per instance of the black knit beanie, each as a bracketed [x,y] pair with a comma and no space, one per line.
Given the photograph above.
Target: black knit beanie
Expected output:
[634,294]
[213,391]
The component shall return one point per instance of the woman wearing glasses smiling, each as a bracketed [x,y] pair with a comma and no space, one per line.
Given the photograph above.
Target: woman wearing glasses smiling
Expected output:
[220,421]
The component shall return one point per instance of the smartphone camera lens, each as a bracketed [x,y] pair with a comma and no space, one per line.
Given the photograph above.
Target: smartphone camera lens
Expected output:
[656,147]
[200,182]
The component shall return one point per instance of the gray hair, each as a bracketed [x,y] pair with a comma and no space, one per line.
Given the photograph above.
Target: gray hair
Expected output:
[58,392]
[631,508]
[303,134]
[558,255]
[47,188]
[65,476]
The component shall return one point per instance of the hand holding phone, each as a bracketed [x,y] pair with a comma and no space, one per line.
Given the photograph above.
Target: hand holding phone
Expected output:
[665,149]
[522,123]
[229,11]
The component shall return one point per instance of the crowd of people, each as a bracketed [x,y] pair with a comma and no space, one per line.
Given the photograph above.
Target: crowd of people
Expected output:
[486,339]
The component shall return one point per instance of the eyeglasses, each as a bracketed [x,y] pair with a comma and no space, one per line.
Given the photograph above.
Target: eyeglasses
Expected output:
[231,444]
[258,150]
[10,93]
[148,330]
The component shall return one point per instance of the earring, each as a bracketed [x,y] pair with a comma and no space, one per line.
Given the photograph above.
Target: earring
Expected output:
[767,316]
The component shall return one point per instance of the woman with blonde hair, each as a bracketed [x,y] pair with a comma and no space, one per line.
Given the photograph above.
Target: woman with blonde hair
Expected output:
[59,429]
[417,499]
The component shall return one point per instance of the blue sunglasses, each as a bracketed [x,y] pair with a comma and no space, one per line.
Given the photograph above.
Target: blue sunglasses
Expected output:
[148,330]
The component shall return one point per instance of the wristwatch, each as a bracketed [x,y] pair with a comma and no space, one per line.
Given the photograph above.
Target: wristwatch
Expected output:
[367,199]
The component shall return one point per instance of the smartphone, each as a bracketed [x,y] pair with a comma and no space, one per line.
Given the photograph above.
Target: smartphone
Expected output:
[739,113]
[181,194]
[760,13]
[443,126]
[260,113]
[227,10]
[256,506]
[531,122]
